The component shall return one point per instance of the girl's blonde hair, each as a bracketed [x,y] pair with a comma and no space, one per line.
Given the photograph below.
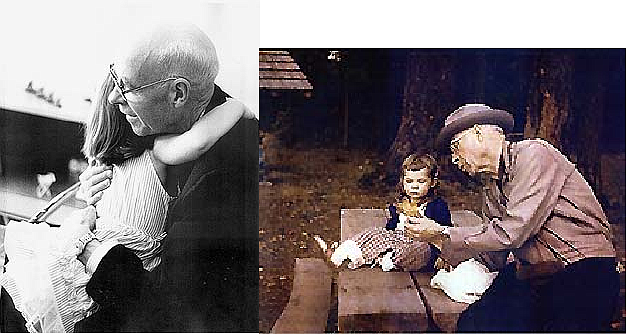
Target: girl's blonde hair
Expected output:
[109,138]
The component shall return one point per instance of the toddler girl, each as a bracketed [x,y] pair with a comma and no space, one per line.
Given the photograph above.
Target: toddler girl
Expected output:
[388,245]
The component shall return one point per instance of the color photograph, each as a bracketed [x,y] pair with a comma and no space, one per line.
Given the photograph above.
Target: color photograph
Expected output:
[446,190]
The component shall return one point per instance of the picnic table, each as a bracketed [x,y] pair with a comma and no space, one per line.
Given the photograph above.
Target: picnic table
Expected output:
[371,300]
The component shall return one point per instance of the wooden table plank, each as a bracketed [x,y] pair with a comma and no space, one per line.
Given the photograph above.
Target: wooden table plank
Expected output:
[370,300]
[354,221]
[442,309]
[310,300]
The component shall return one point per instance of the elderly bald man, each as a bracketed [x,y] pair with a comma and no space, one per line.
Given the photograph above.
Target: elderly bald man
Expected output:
[539,207]
[208,277]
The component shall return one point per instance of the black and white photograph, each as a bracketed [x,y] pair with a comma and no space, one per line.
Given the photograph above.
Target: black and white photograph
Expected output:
[129,166]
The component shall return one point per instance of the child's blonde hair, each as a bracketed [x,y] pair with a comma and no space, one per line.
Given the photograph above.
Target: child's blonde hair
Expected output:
[109,138]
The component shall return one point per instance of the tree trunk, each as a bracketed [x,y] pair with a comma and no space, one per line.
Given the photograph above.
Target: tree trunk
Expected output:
[588,113]
[427,100]
[550,98]
[589,159]
[569,120]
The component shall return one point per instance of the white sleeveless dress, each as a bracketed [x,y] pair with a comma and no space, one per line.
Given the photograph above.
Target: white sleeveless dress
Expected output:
[47,284]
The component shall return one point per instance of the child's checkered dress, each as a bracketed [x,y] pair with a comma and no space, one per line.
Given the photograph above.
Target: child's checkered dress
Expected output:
[408,254]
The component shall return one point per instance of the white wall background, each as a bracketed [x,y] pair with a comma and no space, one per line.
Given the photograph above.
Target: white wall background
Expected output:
[66,47]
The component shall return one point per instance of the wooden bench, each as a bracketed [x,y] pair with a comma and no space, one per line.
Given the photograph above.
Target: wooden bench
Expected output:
[369,298]
[308,308]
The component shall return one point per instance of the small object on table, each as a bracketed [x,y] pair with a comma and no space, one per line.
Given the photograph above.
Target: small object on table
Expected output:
[44,182]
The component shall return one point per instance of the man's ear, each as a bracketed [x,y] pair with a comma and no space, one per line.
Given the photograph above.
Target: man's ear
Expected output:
[179,92]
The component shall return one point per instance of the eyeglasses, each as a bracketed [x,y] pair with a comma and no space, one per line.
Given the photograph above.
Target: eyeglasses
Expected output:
[119,84]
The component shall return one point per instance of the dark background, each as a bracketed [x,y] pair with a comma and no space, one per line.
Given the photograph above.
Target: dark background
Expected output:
[374,80]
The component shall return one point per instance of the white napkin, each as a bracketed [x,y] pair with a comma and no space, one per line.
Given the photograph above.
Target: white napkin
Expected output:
[466,283]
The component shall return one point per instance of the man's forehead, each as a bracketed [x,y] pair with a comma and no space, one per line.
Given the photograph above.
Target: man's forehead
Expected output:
[127,65]
[460,134]
[122,70]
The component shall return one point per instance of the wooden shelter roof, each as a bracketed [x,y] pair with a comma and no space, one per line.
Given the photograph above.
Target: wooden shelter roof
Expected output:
[278,70]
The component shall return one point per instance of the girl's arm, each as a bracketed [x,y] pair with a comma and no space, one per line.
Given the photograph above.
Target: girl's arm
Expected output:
[188,146]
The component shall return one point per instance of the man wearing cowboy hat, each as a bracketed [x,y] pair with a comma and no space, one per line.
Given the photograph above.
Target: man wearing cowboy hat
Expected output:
[540,208]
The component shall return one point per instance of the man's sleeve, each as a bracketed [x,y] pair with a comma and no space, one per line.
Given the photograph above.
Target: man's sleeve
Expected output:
[118,279]
[531,195]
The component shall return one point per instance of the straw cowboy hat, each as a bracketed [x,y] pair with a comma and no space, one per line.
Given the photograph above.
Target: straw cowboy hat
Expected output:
[468,115]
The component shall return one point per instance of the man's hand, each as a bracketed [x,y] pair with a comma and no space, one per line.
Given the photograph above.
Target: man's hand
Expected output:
[424,229]
[94,180]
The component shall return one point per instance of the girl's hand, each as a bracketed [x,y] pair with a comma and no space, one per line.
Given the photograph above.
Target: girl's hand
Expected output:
[94,180]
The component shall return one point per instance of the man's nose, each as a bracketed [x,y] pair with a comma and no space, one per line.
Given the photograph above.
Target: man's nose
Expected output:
[115,97]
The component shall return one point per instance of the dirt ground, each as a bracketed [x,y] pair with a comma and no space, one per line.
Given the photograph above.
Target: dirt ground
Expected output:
[306,194]
[302,196]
